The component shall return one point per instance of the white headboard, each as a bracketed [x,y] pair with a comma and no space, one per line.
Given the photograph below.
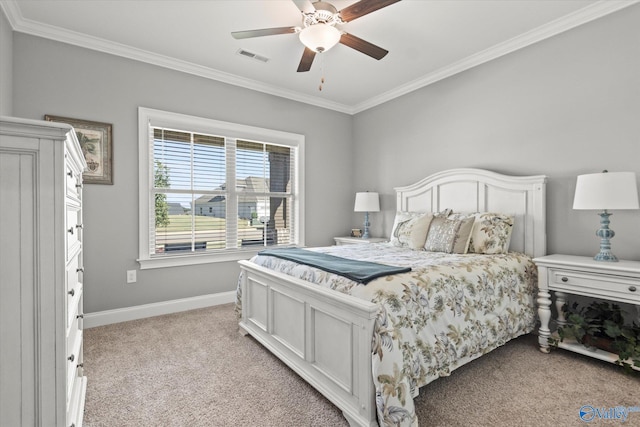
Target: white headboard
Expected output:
[477,190]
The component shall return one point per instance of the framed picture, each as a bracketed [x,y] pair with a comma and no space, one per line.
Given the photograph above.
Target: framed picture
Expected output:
[97,146]
[356,232]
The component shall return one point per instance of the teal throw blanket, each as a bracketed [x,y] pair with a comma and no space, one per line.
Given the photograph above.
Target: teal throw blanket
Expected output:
[358,271]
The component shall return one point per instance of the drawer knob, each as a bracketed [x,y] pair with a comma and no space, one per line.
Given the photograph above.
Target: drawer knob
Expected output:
[80,270]
[80,316]
[78,185]
[632,288]
[71,358]
[70,230]
[79,226]
[565,279]
[70,174]
[72,292]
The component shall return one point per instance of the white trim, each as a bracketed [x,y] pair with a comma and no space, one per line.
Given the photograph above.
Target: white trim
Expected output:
[107,317]
[197,258]
[582,16]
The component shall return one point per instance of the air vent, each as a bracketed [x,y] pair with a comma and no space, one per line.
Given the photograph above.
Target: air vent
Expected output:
[252,55]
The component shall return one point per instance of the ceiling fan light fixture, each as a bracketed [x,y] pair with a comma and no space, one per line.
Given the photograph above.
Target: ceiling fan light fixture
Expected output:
[320,37]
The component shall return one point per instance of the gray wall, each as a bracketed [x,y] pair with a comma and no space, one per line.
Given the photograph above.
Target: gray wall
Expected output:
[562,107]
[59,79]
[6,66]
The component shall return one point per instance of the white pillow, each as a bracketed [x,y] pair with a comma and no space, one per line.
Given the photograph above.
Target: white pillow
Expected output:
[410,229]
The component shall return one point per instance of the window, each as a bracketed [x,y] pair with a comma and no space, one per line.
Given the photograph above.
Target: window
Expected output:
[215,191]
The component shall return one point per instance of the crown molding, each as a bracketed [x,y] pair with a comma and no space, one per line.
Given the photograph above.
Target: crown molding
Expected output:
[580,17]
[11,11]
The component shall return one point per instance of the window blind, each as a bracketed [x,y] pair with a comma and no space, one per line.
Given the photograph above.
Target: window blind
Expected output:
[214,193]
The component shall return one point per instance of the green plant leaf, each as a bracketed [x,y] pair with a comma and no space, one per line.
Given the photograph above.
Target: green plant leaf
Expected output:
[611,329]
[602,319]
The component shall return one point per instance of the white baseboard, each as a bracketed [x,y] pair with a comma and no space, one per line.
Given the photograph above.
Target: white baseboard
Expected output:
[107,317]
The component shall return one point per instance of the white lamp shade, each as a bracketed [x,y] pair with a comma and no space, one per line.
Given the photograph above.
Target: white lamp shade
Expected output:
[320,37]
[367,202]
[607,190]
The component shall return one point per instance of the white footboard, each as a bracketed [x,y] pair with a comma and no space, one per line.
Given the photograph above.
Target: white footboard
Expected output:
[323,335]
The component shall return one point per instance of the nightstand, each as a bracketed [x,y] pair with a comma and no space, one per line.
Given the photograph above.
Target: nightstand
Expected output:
[348,240]
[567,274]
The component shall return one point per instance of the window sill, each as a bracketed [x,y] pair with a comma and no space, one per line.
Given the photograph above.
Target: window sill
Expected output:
[191,259]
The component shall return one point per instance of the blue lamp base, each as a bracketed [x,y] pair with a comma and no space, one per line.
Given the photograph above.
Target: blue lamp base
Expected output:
[365,234]
[605,234]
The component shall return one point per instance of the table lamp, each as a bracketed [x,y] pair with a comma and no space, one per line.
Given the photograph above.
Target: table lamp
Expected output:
[367,202]
[604,191]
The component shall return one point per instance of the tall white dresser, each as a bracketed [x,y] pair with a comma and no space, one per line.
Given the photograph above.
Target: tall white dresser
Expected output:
[41,272]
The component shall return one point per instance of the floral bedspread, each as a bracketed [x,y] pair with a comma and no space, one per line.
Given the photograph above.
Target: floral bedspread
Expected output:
[449,310]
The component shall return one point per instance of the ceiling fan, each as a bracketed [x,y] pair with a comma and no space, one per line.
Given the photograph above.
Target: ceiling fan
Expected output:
[320,31]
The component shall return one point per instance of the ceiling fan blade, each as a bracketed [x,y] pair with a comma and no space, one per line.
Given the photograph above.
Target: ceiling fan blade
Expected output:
[363,46]
[363,7]
[305,6]
[307,60]
[263,32]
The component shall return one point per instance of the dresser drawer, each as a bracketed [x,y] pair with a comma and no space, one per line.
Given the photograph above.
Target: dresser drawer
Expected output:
[73,178]
[73,289]
[72,334]
[75,407]
[615,287]
[73,230]
[74,349]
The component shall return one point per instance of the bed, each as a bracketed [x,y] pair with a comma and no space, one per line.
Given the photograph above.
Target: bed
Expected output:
[369,348]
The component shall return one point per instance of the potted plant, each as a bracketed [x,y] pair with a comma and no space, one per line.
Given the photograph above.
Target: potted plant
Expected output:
[602,325]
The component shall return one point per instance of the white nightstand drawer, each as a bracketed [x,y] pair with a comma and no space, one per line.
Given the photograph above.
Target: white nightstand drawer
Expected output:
[619,288]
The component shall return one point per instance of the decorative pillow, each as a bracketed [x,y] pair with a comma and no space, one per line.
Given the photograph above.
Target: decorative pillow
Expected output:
[449,235]
[491,233]
[410,229]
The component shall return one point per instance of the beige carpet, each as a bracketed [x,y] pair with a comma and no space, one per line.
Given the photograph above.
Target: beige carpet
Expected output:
[194,369]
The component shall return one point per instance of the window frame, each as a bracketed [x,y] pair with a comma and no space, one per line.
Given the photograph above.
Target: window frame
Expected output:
[152,117]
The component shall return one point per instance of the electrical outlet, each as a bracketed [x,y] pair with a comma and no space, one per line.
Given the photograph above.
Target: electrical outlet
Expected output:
[131,276]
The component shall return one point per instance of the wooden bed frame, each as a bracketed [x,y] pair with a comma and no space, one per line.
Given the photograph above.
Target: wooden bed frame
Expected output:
[325,336]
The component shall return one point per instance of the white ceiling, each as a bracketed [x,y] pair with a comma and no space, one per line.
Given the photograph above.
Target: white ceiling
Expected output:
[427,40]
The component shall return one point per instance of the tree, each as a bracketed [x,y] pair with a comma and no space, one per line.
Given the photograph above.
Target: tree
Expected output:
[161,180]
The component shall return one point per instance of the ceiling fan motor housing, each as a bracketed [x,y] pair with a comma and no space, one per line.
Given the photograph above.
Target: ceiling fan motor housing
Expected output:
[325,13]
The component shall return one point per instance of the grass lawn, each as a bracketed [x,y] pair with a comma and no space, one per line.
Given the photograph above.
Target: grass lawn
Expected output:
[179,223]
[209,230]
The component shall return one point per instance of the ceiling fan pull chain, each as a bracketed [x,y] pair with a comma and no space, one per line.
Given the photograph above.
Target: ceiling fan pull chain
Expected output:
[321,72]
